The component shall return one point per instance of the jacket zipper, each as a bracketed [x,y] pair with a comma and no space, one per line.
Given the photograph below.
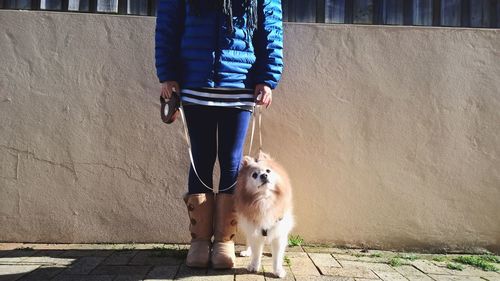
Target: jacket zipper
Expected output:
[216,56]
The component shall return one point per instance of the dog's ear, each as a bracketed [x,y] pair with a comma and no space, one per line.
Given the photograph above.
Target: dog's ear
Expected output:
[263,156]
[247,160]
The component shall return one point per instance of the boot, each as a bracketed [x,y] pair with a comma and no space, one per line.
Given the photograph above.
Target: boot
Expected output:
[200,210]
[225,226]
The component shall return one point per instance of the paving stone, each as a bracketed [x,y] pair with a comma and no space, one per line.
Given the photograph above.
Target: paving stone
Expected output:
[49,246]
[162,272]
[14,272]
[9,246]
[267,259]
[121,269]
[105,262]
[43,260]
[73,277]
[183,246]
[120,257]
[66,246]
[325,278]
[20,253]
[301,265]
[324,259]
[16,256]
[355,272]
[222,274]
[188,272]
[45,246]
[239,248]
[359,258]
[492,278]
[129,278]
[85,253]
[242,261]
[48,253]
[90,246]
[455,278]
[148,257]
[419,278]
[44,272]
[369,265]
[268,273]
[294,249]
[11,260]
[389,276]
[83,265]
[411,273]
[471,271]
[428,267]
[151,246]
[329,250]
[245,276]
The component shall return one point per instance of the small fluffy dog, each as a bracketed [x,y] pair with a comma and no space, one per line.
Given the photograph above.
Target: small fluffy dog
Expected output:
[263,199]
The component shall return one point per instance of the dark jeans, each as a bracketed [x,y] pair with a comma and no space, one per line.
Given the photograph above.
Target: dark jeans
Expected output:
[215,131]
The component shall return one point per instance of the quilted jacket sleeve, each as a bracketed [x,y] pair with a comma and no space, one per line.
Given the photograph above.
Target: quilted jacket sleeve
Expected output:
[268,43]
[168,33]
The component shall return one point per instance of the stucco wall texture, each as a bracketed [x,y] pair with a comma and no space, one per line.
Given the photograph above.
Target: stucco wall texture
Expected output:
[391,134]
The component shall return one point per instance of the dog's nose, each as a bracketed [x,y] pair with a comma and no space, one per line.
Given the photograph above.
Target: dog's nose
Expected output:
[263,177]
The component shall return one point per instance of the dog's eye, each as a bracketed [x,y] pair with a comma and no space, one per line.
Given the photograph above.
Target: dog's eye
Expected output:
[268,171]
[254,175]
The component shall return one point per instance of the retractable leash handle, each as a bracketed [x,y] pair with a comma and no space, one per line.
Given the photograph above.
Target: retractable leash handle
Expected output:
[191,158]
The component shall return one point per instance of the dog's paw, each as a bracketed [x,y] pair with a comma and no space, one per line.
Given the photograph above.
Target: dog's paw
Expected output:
[253,267]
[246,253]
[280,273]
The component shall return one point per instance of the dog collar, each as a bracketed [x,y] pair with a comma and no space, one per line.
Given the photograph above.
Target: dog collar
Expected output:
[264,230]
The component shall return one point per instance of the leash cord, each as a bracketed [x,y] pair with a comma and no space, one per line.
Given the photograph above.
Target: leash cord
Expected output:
[188,141]
[253,130]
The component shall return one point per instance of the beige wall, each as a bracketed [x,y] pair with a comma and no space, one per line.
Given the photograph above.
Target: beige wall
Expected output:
[391,134]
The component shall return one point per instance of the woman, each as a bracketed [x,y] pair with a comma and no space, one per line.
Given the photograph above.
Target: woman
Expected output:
[223,57]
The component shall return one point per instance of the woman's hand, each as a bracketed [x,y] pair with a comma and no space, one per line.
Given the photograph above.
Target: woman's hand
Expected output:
[263,94]
[168,87]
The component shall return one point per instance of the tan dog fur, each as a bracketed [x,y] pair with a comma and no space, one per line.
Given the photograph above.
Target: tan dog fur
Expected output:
[263,201]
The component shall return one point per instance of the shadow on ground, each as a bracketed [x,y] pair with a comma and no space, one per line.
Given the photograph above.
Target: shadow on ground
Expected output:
[133,262]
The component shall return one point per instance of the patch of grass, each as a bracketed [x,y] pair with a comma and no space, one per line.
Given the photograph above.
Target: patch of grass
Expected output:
[491,258]
[395,261]
[288,262]
[439,258]
[295,240]
[477,261]
[454,266]
[410,257]
[358,255]
[25,248]
[169,252]
[375,255]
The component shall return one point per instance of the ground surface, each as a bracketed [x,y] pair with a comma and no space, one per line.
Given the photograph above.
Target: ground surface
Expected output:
[95,262]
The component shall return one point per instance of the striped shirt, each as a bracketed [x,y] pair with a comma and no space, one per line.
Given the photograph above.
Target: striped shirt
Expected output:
[226,97]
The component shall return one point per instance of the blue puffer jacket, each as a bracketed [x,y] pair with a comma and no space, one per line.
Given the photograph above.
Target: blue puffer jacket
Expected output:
[197,51]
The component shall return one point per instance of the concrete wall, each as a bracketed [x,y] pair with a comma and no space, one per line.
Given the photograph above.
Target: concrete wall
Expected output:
[391,134]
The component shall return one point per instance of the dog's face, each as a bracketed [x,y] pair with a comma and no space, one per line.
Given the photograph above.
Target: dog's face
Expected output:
[259,173]
[262,176]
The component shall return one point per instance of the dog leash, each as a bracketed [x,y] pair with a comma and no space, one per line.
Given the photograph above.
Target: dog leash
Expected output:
[253,130]
[188,141]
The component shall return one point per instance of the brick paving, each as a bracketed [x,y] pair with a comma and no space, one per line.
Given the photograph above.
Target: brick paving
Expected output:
[156,262]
